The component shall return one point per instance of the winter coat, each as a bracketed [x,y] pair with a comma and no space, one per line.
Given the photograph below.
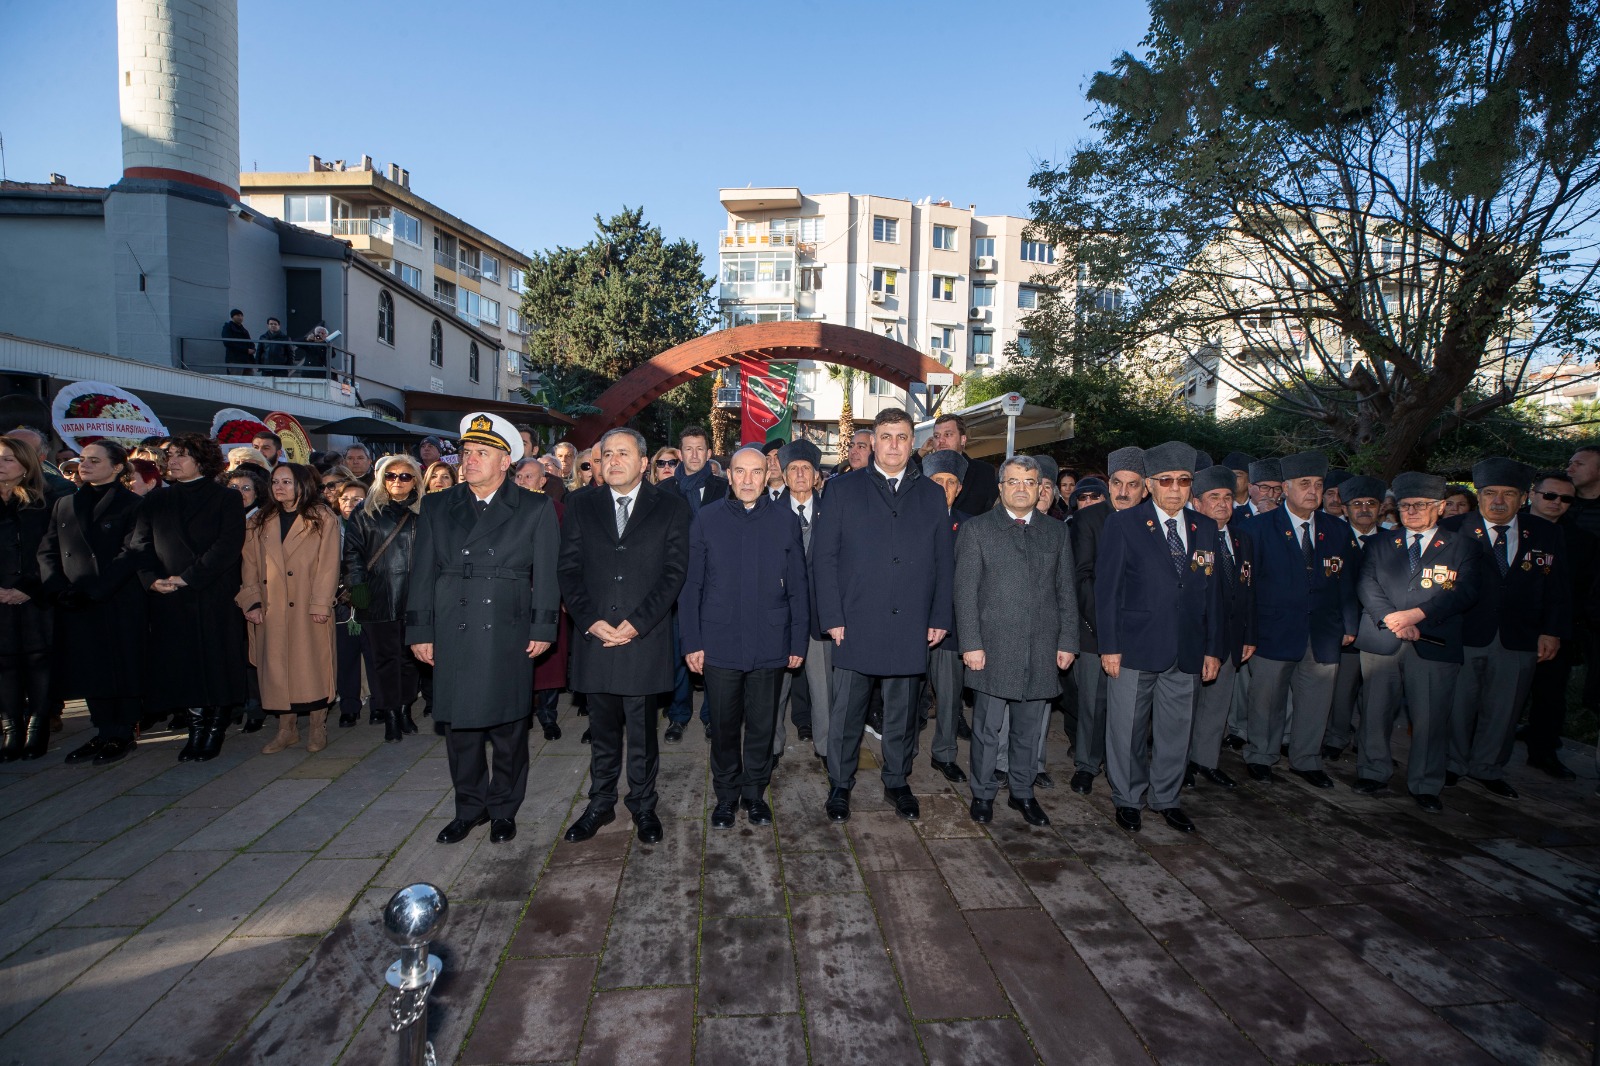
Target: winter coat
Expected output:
[292,578]
[92,577]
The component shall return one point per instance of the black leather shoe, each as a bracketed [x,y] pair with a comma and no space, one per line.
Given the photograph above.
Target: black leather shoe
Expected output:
[1428,802]
[1237,743]
[391,727]
[1365,786]
[588,824]
[950,770]
[708,732]
[1217,777]
[552,731]
[1552,766]
[1043,780]
[213,726]
[1188,776]
[1260,772]
[674,732]
[87,752]
[585,738]
[1451,780]
[1499,788]
[757,811]
[1083,782]
[724,814]
[408,724]
[457,830]
[803,732]
[581,710]
[963,730]
[1313,777]
[346,721]
[1178,820]
[374,716]
[253,725]
[905,804]
[1030,810]
[502,830]
[112,750]
[982,811]
[1128,818]
[191,750]
[647,827]
[838,805]
[1331,753]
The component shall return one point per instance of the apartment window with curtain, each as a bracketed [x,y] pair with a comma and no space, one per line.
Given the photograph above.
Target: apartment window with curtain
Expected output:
[386,318]
[436,344]
[1027,299]
[944,289]
[944,237]
[983,344]
[813,230]
[886,230]
[1038,252]
[885,280]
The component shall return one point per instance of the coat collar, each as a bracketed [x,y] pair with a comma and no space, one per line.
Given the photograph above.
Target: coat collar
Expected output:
[603,503]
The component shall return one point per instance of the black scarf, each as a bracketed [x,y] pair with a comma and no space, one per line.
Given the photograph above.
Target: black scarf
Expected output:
[693,486]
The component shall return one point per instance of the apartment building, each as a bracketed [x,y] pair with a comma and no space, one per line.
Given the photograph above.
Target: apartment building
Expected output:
[462,269]
[943,279]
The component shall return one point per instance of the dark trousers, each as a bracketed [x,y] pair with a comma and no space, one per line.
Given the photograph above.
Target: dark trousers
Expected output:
[114,716]
[348,651]
[392,671]
[1547,705]
[744,714]
[610,718]
[477,792]
[545,707]
[799,698]
[25,685]
[847,721]
[680,705]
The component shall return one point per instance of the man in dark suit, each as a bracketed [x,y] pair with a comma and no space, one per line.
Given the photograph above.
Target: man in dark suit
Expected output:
[1523,615]
[699,485]
[946,675]
[805,691]
[1551,500]
[1158,602]
[744,613]
[1239,463]
[1362,497]
[624,551]
[482,605]
[1265,490]
[1305,567]
[979,489]
[1416,585]
[882,561]
[1213,495]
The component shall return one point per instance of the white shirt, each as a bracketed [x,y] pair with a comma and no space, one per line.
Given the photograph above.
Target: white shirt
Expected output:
[1161,525]
[892,479]
[483,499]
[1427,537]
[806,510]
[1227,541]
[632,498]
[1303,527]
[776,493]
[1511,536]
[1028,518]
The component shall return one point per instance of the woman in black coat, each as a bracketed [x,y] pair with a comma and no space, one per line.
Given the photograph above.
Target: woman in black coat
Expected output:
[25,616]
[100,606]
[378,543]
[189,538]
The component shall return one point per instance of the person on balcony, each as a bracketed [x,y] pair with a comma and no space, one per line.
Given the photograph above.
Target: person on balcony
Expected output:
[240,357]
[275,348]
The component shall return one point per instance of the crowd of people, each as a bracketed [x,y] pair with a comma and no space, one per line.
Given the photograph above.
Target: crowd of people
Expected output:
[1169,606]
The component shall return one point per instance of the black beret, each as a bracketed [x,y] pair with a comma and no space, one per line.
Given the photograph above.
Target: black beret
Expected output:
[1237,461]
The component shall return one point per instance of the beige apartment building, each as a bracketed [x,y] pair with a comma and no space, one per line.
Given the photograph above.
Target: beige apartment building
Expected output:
[463,270]
[943,279]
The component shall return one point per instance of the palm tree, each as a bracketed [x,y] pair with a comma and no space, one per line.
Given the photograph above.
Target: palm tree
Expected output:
[846,376]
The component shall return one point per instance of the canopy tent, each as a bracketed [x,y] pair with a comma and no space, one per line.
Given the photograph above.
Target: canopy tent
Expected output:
[379,429]
[986,428]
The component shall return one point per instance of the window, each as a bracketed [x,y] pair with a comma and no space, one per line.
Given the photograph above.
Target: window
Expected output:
[513,361]
[411,276]
[983,296]
[809,380]
[942,337]
[1038,252]
[514,321]
[810,279]
[813,230]
[1100,299]
[515,284]
[944,237]
[1024,345]
[386,317]
[474,305]
[747,314]
[406,228]
[886,230]
[1027,299]
[306,208]
[472,361]
[436,344]
[784,230]
[491,267]
[878,387]
[758,275]
[983,246]
[983,344]
[885,280]
[944,289]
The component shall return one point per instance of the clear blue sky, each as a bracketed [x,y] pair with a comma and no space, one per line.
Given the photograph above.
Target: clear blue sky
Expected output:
[527,119]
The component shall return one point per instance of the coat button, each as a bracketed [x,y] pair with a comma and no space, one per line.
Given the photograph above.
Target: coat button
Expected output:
[463,602]
[618,577]
[290,574]
[462,626]
[464,551]
[897,562]
[291,603]
[895,611]
[894,514]
[487,626]
[488,601]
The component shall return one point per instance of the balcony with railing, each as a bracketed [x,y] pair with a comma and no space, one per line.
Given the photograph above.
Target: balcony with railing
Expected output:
[315,370]
[445,259]
[735,239]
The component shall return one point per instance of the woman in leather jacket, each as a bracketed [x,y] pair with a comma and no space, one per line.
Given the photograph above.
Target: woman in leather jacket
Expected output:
[378,544]
[26,618]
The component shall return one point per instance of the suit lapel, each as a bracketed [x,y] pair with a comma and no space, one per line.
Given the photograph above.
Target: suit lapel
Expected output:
[642,505]
[501,508]
[461,509]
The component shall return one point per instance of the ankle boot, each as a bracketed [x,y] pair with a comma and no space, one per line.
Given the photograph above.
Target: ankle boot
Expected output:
[11,749]
[37,740]
[319,732]
[191,750]
[288,735]
[391,726]
[214,725]
[408,724]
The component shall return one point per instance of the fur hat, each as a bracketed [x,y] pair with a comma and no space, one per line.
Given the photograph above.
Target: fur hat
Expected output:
[1503,472]
[1361,487]
[1129,459]
[800,451]
[1265,470]
[1303,464]
[1212,477]
[1173,455]
[1237,461]
[1417,486]
[945,462]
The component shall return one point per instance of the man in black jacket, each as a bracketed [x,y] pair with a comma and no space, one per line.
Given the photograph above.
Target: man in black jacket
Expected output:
[1213,497]
[979,487]
[1551,499]
[699,485]
[237,351]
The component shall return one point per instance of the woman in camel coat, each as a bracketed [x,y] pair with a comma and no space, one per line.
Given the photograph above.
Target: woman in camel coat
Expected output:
[291,577]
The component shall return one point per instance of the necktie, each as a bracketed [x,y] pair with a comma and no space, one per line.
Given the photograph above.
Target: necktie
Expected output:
[483,507]
[1023,522]
[622,514]
[805,523]
[1415,553]
[1305,544]
[1175,545]
[1226,558]
[1502,556]
[894,486]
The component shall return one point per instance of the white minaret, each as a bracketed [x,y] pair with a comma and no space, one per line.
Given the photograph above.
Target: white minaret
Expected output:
[178,85]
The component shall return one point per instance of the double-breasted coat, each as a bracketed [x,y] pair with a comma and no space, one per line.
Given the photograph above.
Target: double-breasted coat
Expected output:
[292,576]
[483,585]
[635,578]
[86,568]
[745,600]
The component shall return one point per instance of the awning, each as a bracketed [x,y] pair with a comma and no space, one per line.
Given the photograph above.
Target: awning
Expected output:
[986,428]
[420,405]
[379,429]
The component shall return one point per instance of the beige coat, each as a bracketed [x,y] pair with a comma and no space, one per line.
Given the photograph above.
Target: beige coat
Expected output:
[292,579]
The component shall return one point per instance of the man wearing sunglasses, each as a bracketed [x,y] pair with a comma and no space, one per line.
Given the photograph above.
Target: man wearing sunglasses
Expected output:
[1552,497]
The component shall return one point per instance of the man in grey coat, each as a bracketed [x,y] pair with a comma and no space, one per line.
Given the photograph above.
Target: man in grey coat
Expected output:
[1017,622]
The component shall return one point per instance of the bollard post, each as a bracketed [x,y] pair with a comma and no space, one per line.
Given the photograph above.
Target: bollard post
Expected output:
[411,919]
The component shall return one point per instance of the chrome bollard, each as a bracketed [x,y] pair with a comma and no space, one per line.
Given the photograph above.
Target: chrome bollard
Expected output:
[411,919]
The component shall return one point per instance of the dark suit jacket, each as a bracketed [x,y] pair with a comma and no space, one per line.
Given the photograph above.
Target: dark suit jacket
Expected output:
[1534,597]
[1452,566]
[980,488]
[634,578]
[882,569]
[745,601]
[1146,610]
[1239,596]
[1084,528]
[716,488]
[1296,603]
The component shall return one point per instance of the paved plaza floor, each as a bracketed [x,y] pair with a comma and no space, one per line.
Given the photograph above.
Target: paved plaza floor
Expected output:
[230,912]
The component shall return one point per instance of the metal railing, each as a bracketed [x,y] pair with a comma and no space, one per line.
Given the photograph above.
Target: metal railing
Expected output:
[464,267]
[315,369]
[381,228]
[444,259]
[758,240]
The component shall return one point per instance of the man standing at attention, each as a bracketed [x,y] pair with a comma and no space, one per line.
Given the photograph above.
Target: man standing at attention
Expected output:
[698,486]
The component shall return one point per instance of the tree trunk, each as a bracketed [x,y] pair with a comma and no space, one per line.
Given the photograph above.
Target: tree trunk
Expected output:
[847,418]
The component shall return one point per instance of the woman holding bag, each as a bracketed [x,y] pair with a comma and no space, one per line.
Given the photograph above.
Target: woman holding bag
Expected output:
[378,546]
[291,576]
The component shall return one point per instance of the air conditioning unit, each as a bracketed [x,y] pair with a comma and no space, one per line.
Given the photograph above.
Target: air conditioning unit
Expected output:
[983,360]
[978,314]
[984,262]
[878,297]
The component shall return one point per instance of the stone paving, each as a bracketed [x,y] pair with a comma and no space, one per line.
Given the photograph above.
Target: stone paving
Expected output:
[229,912]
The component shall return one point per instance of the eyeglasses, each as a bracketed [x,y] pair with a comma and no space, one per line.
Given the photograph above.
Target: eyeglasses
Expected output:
[399,476]
[1413,506]
[1013,482]
[1183,481]
[666,462]
[1092,497]
[1552,497]
[583,466]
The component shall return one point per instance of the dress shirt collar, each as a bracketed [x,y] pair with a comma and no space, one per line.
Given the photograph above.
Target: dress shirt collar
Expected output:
[632,497]
[1028,518]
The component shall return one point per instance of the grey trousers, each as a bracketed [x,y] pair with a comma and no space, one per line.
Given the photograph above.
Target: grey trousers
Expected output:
[1089,739]
[1148,724]
[1347,701]
[1239,709]
[1003,754]
[847,722]
[988,714]
[1429,690]
[1211,703]
[1490,691]
[946,673]
[1271,682]
[819,673]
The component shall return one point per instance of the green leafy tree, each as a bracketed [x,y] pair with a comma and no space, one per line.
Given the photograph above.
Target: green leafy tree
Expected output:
[1377,217]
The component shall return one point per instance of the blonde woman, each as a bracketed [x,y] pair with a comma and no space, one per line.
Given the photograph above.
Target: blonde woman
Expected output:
[378,545]
[438,477]
[25,619]
[664,465]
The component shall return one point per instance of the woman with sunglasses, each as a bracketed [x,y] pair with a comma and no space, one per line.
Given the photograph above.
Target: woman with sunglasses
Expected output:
[438,477]
[665,465]
[378,545]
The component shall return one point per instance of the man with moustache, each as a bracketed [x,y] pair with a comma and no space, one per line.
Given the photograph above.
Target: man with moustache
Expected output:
[1213,494]
[805,691]
[1265,490]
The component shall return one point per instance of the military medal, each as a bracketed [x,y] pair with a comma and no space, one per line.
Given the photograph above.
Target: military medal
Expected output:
[1427,582]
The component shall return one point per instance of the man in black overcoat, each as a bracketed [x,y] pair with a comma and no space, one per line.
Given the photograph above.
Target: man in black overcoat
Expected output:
[624,553]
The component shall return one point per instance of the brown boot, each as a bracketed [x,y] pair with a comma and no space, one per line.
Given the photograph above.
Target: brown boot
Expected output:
[288,735]
[319,732]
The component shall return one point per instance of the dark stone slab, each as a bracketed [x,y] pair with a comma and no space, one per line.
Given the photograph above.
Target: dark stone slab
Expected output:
[44,904]
[122,855]
[978,875]
[1559,1000]
[1533,895]
[569,913]
[942,970]
[1405,959]
[1515,1035]
[884,841]
[741,872]
[1550,943]
[1416,911]
[534,1013]
[383,826]
[242,825]
[1577,881]
[747,967]
[854,1012]
[992,1041]
[797,800]
[945,815]
[611,844]
[109,819]
[1018,841]
[821,872]
[1236,897]
[654,1025]
[147,893]
[508,871]
[48,964]
[772,1040]
[1284,875]
[654,926]
[33,862]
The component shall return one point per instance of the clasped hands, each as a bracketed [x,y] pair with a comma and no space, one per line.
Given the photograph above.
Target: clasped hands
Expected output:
[1403,624]
[613,636]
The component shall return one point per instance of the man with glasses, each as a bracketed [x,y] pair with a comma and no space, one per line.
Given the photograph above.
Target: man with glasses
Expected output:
[1305,566]
[1213,495]
[1159,617]
[1363,498]
[1551,499]
[1265,490]
[1417,584]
